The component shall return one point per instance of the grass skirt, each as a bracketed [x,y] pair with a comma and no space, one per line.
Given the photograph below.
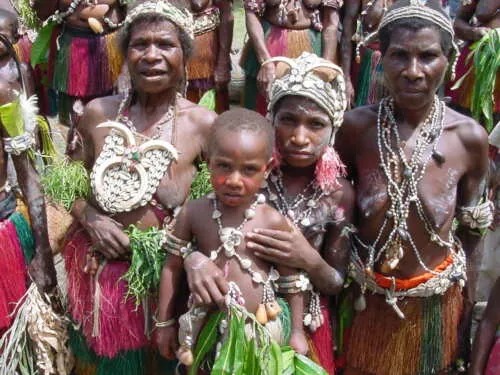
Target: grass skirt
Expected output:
[369,77]
[84,64]
[493,366]
[111,336]
[16,251]
[279,42]
[201,69]
[424,343]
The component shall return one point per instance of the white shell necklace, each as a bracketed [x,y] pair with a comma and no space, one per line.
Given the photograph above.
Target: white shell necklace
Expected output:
[294,210]
[126,175]
[231,238]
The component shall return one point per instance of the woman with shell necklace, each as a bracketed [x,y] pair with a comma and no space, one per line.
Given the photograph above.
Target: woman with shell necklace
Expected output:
[140,149]
[307,101]
[416,166]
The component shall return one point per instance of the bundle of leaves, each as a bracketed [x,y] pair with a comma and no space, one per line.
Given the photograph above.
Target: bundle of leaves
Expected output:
[201,185]
[143,276]
[486,55]
[64,181]
[240,354]
[27,14]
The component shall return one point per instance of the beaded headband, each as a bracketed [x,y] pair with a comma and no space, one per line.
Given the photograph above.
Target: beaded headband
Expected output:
[181,18]
[314,78]
[418,9]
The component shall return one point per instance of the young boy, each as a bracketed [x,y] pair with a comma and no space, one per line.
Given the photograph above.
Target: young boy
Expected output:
[239,159]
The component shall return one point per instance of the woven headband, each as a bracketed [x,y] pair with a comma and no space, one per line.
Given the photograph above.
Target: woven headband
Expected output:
[181,18]
[314,78]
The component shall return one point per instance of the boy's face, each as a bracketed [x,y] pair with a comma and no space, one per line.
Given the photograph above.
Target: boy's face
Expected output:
[238,163]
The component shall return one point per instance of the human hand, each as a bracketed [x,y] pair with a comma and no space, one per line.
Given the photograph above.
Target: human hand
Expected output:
[290,249]
[265,77]
[167,341]
[222,76]
[298,341]
[206,281]
[478,33]
[107,234]
[42,271]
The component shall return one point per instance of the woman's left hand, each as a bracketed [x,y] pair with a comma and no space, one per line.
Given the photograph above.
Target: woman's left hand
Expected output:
[285,248]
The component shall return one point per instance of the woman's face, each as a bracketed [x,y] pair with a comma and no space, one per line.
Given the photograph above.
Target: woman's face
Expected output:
[303,130]
[414,66]
[155,57]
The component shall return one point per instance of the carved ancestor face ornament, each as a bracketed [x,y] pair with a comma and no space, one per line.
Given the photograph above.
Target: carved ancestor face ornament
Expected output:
[125,176]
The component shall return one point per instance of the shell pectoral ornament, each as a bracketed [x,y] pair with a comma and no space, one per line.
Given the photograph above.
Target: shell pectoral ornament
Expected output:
[125,176]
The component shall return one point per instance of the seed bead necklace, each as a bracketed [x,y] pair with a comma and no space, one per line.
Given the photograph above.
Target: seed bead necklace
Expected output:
[294,210]
[168,118]
[402,185]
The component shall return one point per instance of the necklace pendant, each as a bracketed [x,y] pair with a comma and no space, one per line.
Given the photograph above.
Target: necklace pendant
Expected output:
[305,222]
[312,203]
[216,214]
[407,173]
[273,197]
[290,214]
[249,213]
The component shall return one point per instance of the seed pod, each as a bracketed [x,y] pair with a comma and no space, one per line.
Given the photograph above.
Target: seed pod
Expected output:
[272,309]
[96,11]
[185,357]
[261,314]
[95,25]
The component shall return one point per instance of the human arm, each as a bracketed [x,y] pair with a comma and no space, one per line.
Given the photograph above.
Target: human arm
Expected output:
[256,34]
[351,11]
[292,249]
[222,74]
[330,32]
[463,29]
[485,336]
[107,234]
[45,8]
[471,189]
[166,335]
[41,268]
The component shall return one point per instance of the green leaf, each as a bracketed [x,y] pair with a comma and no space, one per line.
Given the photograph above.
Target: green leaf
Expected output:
[224,364]
[251,365]
[304,366]
[208,100]
[41,44]
[275,359]
[206,341]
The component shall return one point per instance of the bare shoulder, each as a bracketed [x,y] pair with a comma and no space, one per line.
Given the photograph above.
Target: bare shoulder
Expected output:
[345,194]
[99,110]
[357,121]
[199,119]
[273,219]
[472,135]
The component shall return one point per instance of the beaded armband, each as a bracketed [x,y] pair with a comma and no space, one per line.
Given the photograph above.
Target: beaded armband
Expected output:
[476,217]
[176,246]
[18,144]
[336,4]
[256,6]
[292,284]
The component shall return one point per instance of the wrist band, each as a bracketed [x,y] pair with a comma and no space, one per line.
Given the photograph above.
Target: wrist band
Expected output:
[166,324]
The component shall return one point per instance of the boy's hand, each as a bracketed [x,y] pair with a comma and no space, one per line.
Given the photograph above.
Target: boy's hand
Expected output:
[206,281]
[166,340]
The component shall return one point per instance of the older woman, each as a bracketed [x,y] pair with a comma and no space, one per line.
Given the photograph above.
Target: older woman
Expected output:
[142,165]
[306,105]
[284,28]
[416,166]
